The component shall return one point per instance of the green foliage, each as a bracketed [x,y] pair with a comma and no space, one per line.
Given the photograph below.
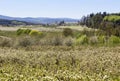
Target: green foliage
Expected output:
[23,31]
[27,31]
[77,34]
[101,39]
[109,23]
[88,32]
[67,32]
[82,40]
[117,31]
[57,38]
[19,31]
[112,18]
[110,28]
[114,40]
[35,33]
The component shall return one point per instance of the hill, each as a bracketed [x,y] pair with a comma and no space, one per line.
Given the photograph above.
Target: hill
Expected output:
[39,20]
[5,22]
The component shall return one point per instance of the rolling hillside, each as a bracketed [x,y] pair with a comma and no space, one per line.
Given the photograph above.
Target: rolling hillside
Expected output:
[5,22]
[39,20]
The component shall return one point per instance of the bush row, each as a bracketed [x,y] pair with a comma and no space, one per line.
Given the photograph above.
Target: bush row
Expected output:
[29,32]
[60,41]
[98,40]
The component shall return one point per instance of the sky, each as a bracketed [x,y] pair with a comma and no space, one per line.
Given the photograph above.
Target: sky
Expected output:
[57,8]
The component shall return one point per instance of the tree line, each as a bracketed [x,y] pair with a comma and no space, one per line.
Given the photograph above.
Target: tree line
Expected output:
[108,23]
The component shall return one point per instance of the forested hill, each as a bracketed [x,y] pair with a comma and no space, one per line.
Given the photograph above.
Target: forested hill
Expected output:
[40,20]
[5,22]
[108,22]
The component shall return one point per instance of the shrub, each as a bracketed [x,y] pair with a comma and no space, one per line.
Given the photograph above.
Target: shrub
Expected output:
[82,40]
[109,29]
[117,31]
[24,42]
[67,32]
[20,31]
[57,40]
[88,32]
[52,40]
[23,31]
[102,40]
[5,42]
[69,41]
[114,40]
[35,33]
[85,31]
[27,31]
[93,40]
[78,35]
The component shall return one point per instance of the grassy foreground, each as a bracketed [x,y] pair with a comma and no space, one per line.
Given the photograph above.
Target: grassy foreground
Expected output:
[60,63]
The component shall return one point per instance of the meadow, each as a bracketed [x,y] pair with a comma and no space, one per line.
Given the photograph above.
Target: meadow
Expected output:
[60,54]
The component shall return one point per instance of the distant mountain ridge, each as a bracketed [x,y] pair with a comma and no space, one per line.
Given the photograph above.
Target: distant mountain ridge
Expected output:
[5,22]
[40,20]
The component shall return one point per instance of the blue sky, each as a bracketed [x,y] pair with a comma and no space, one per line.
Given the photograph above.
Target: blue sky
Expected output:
[56,8]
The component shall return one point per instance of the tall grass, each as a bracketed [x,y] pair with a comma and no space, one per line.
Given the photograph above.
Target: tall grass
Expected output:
[51,63]
[55,57]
